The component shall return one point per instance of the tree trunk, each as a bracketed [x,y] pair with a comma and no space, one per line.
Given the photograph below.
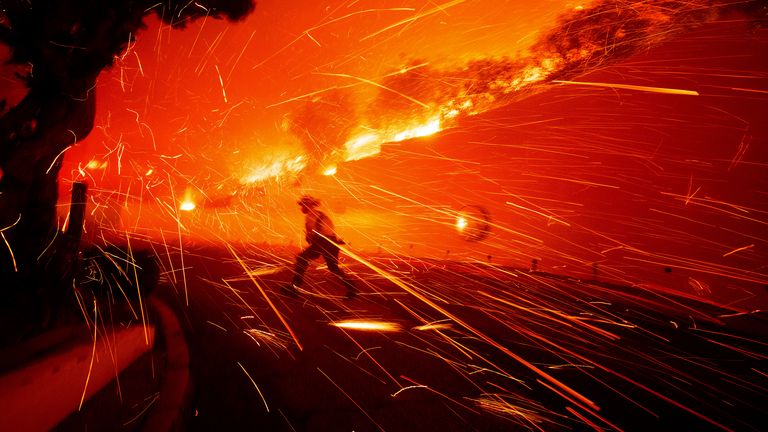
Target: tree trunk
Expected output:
[35,265]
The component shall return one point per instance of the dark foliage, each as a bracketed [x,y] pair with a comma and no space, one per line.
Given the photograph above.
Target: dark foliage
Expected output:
[63,45]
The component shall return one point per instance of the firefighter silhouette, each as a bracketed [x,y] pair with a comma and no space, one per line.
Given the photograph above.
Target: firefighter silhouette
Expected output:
[323,242]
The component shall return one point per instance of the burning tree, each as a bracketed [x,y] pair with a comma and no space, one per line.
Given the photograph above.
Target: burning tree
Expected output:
[64,45]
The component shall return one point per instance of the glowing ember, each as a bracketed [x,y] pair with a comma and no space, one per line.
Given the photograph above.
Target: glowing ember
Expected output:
[633,87]
[461,223]
[382,326]
[433,326]
[473,223]
[187,203]
[609,199]
[187,206]
[93,164]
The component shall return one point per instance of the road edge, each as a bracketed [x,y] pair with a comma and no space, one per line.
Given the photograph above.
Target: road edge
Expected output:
[169,414]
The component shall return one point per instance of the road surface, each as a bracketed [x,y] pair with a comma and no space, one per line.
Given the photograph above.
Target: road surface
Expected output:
[455,346]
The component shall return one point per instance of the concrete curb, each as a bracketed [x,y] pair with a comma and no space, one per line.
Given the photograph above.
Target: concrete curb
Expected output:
[169,412]
[52,384]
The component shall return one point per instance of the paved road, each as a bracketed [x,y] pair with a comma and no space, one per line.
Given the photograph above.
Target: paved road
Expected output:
[469,347]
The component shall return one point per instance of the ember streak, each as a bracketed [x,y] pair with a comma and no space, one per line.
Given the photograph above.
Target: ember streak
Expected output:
[419,99]
[537,192]
[231,169]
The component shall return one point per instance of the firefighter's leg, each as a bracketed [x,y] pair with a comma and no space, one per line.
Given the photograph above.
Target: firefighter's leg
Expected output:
[302,262]
[331,255]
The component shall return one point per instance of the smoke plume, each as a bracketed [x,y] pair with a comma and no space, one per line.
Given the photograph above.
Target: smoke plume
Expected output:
[323,126]
[583,40]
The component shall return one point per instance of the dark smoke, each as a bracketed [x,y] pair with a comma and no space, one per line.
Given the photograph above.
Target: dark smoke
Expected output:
[612,30]
[422,85]
[604,33]
[323,126]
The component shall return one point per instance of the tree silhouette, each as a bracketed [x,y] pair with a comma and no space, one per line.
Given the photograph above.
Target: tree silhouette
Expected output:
[64,44]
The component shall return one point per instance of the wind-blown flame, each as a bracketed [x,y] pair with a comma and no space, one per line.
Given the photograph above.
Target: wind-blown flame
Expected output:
[587,37]
[282,166]
[362,146]
[369,144]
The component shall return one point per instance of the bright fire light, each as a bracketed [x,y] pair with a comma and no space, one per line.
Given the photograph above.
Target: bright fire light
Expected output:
[331,170]
[94,164]
[382,326]
[606,204]
[362,146]
[283,166]
[187,203]
[431,127]
[369,144]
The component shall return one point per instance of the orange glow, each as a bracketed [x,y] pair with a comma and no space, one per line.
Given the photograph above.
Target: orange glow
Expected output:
[611,191]
[433,326]
[187,206]
[362,146]
[382,326]
[359,147]
[283,165]
[532,102]
[369,144]
[663,90]
[187,203]
[461,223]
[429,128]
[94,164]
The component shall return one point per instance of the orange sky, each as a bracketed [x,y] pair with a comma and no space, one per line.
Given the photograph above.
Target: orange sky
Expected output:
[208,92]
[632,179]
